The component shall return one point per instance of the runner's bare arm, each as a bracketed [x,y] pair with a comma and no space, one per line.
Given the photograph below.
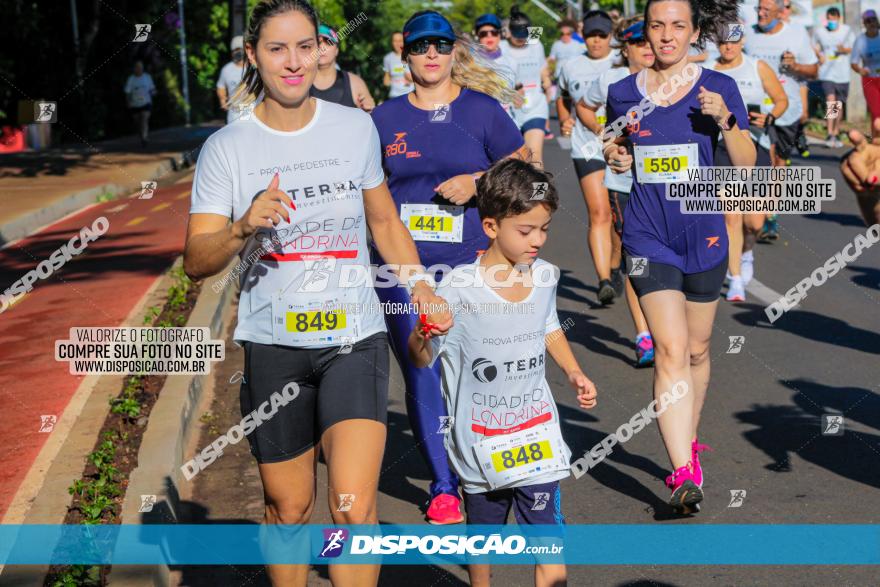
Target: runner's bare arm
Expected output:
[361,94]
[386,80]
[211,240]
[560,350]
[773,89]
[586,113]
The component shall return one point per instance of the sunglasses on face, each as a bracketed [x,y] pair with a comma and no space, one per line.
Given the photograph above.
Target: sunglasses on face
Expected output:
[637,42]
[420,47]
[488,33]
[565,34]
[600,35]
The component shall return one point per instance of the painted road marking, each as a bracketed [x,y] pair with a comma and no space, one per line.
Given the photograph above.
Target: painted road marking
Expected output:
[135,221]
[118,208]
[161,206]
[183,195]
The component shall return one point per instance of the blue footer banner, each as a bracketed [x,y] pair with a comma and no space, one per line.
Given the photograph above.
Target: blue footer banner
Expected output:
[612,544]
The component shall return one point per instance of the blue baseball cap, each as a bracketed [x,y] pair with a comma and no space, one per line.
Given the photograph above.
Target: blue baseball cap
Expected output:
[635,32]
[488,19]
[430,25]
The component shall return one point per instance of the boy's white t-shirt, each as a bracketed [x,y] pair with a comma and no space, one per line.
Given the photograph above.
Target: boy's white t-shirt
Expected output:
[230,78]
[492,366]
[327,232]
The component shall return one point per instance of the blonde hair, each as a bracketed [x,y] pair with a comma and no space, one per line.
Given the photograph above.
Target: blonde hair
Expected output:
[471,70]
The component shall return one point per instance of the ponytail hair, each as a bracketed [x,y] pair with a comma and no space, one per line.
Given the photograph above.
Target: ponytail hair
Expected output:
[251,85]
[470,70]
[707,15]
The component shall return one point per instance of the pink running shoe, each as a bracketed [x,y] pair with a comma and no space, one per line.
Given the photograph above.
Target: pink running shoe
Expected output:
[686,494]
[444,509]
[696,449]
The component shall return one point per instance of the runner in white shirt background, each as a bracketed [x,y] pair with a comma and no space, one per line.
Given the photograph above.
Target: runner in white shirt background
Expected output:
[802,22]
[532,81]
[865,59]
[397,78]
[297,184]
[586,150]
[505,440]
[788,51]
[765,101]
[487,31]
[139,91]
[564,48]
[635,55]
[230,77]
[833,43]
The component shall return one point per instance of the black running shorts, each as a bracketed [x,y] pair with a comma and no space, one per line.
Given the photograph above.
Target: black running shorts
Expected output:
[335,384]
[704,286]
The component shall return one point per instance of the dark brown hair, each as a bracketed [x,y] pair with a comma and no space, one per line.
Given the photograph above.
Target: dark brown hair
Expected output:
[509,189]
[707,15]
[251,83]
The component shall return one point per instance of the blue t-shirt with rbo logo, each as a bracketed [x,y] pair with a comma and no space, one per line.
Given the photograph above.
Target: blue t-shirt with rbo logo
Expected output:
[653,226]
[423,148]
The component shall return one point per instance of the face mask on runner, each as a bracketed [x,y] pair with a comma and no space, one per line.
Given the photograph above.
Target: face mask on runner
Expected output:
[769,26]
[832,25]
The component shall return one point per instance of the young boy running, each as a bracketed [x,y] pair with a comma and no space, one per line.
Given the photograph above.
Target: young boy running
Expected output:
[504,441]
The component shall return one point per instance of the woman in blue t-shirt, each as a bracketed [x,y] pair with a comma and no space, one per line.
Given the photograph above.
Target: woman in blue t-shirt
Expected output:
[672,114]
[436,141]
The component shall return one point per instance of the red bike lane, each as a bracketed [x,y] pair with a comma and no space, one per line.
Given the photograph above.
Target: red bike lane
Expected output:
[99,287]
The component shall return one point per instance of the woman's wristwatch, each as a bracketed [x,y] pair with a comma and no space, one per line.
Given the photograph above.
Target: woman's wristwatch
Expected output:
[729,122]
[413,280]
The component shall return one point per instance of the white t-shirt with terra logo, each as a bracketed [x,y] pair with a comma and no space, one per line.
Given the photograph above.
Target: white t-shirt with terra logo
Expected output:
[492,363]
[323,167]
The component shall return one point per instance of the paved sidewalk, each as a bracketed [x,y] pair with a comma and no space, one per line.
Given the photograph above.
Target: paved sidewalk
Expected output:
[39,187]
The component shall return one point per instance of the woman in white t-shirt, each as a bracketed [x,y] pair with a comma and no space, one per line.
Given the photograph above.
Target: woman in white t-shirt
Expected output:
[315,347]
[139,92]
[765,100]
[397,77]
[635,55]
[586,149]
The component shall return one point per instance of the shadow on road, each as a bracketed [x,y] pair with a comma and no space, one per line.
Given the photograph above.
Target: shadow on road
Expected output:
[782,432]
[595,336]
[813,326]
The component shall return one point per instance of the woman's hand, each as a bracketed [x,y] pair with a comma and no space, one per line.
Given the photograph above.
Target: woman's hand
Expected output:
[567,126]
[861,169]
[758,119]
[617,157]
[458,189]
[713,105]
[267,210]
[435,309]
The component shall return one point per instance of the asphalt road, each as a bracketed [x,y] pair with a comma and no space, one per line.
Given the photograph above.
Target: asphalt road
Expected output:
[762,417]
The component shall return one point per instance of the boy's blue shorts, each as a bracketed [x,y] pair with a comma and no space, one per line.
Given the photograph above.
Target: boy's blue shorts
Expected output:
[539,504]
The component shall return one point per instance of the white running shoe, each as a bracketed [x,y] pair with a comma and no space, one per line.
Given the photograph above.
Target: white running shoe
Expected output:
[736,292]
[747,267]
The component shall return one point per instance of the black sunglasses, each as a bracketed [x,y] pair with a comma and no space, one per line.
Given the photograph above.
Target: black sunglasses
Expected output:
[488,33]
[420,47]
